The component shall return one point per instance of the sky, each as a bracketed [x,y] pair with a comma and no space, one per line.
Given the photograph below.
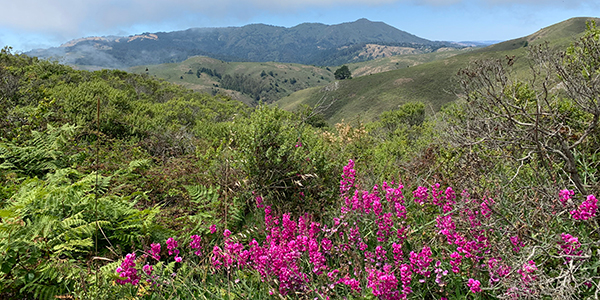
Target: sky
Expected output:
[31,24]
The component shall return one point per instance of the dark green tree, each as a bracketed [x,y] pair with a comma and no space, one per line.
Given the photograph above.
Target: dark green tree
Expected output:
[342,73]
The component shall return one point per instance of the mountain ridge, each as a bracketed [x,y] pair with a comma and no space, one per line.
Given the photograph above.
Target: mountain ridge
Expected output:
[306,43]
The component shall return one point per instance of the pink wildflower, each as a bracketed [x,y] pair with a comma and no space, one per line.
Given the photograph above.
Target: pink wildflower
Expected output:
[420,195]
[474,285]
[127,271]
[587,209]
[155,251]
[171,246]
[527,272]
[195,244]
[569,245]
[564,196]
[348,178]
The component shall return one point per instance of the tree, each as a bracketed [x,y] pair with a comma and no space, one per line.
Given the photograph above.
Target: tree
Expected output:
[551,118]
[342,73]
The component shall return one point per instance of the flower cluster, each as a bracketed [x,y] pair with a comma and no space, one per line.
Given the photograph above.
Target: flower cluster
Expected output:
[155,251]
[384,284]
[361,250]
[587,209]
[420,195]
[527,272]
[348,178]
[569,245]
[421,261]
[195,244]
[564,196]
[172,249]
[127,271]
[474,285]
[497,270]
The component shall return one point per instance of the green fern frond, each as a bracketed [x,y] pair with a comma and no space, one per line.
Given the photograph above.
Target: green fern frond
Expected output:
[200,194]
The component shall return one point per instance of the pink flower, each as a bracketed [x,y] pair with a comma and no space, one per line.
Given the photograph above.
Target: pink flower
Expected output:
[352,283]
[259,201]
[171,246]
[516,241]
[421,261]
[569,245]
[455,262]
[527,272]
[155,251]
[195,244]
[420,195]
[564,196]
[127,271]
[213,228]
[148,269]
[587,209]
[474,285]
[348,178]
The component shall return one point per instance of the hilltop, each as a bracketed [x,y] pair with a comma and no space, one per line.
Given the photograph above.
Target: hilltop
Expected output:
[307,43]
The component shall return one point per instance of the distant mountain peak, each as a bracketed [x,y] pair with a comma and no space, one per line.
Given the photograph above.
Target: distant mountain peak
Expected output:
[306,43]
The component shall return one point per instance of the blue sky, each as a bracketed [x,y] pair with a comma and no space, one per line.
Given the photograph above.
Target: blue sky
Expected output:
[29,24]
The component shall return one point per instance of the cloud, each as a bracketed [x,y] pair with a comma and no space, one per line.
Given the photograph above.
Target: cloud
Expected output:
[75,18]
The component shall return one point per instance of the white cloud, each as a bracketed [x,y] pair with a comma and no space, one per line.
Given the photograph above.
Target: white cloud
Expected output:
[75,18]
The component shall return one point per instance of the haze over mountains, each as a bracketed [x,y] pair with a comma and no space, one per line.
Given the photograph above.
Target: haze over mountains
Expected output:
[307,43]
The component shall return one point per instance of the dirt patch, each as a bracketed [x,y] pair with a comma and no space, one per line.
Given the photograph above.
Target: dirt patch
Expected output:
[401,81]
[376,51]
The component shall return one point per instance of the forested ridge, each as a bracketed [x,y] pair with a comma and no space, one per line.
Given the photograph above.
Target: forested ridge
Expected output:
[120,186]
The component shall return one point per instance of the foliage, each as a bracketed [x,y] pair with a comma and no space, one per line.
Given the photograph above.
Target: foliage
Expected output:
[533,120]
[193,174]
[342,73]
[40,155]
[49,226]
[284,160]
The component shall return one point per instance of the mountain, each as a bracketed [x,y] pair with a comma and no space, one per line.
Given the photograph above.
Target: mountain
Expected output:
[432,83]
[308,43]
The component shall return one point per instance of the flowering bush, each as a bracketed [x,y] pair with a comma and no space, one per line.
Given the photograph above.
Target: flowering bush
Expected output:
[382,245]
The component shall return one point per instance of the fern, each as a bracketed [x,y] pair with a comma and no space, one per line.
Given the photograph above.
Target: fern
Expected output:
[48,227]
[39,155]
[202,195]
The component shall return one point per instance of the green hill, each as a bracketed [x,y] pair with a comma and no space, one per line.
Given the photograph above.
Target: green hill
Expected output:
[271,81]
[248,82]
[432,83]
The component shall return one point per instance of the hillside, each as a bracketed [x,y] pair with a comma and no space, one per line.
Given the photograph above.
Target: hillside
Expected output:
[248,82]
[308,43]
[432,83]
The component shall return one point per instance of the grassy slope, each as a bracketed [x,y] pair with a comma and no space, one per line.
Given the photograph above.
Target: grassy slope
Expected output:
[432,83]
[401,61]
[306,76]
